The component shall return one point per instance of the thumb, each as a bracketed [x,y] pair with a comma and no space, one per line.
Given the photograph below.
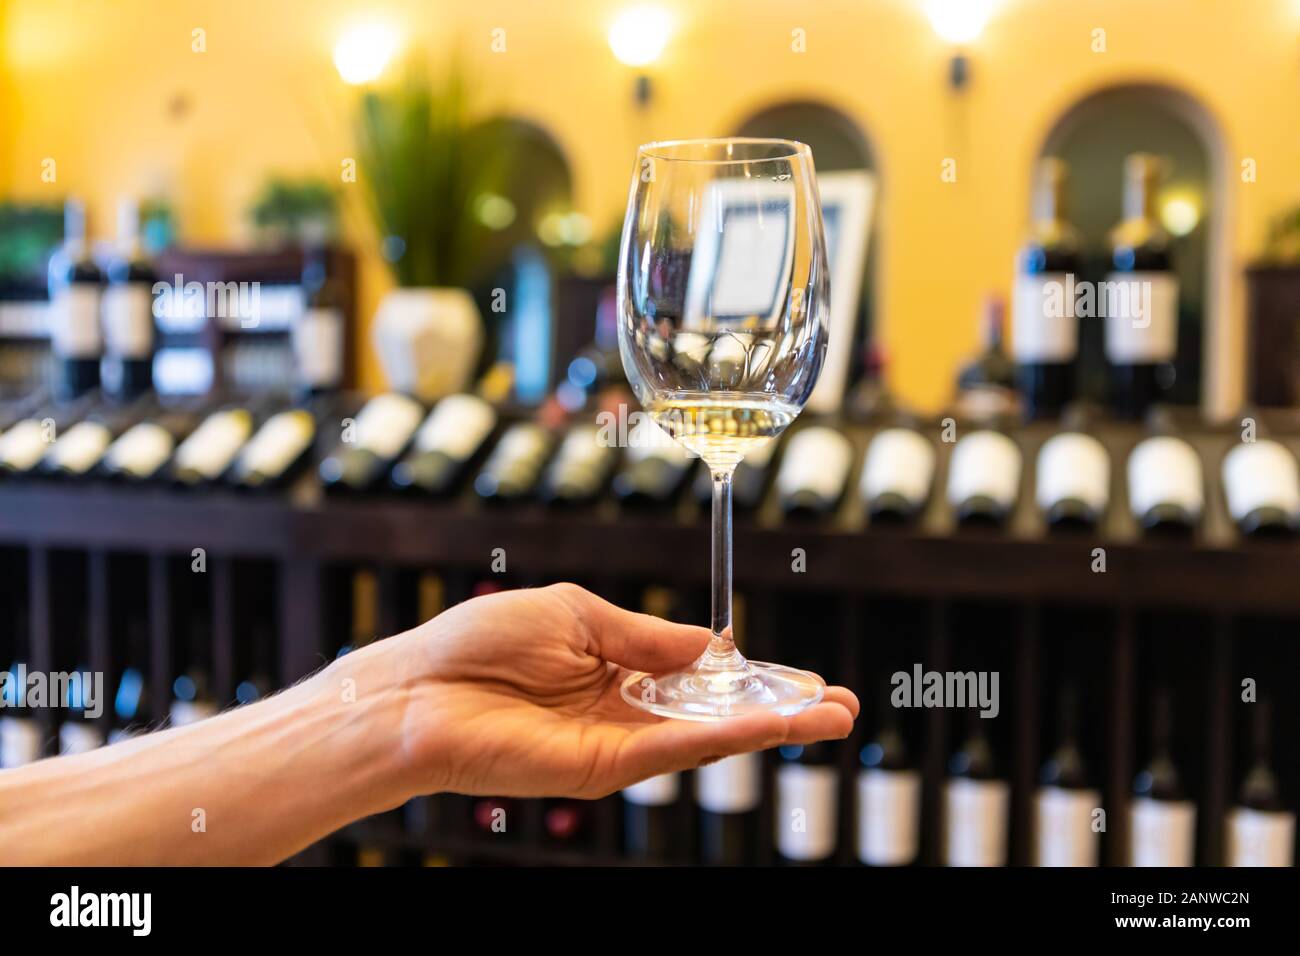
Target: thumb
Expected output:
[640,642]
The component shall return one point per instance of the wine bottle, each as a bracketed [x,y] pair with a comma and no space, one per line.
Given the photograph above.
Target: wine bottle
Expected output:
[25,444]
[80,450]
[141,453]
[371,443]
[76,295]
[566,821]
[1066,803]
[20,733]
[648,809]
[871,400]
[889,795]
[1166,490]
[976,801]
[1044,324]
[80,732]
[984,478]
[728,794]
[1163,821]
[207,453]
[317,334]
[580,469]
[748,482]
[131,709]
[192,698]
[986,386]
[1142,314]
[1261,831]
[807,803]
[515,464]
[276,451]
[654,469]
[450,437]
[1262,486]
[898,474]
[128,311]
[1073,481]
[814,472]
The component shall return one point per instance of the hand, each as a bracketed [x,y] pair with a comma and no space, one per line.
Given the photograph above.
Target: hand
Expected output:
[517,694]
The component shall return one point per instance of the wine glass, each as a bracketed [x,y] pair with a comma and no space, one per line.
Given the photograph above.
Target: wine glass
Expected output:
[722,327]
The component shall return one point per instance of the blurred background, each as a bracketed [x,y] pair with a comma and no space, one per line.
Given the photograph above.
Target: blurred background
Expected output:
[307,326]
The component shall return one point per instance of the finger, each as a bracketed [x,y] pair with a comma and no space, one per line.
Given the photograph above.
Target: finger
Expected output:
[640,642]
[676,745]
[829,720]
[844,697]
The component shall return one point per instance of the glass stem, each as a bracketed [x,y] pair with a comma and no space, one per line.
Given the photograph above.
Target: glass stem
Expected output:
[722,653]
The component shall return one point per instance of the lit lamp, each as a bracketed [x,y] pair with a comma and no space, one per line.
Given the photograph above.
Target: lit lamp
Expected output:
[638,36]
[960,22]
[363,52]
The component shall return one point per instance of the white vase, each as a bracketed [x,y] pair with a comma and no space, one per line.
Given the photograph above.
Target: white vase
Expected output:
[428,340]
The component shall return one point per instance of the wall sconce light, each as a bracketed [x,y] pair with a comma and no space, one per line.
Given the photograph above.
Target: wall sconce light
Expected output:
[363,52]
[960,22]
[637,38]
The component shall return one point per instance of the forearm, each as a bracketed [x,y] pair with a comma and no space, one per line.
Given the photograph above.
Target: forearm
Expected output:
[252,786]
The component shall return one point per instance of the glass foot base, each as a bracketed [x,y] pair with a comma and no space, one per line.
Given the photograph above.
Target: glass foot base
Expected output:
[700,694]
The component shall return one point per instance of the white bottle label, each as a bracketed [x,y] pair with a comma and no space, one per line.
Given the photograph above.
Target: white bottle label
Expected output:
[80,447]
[1045,329]
[456,427]
[889,817]
[1163,832]
[23,445]
[317,338]
[732,785]
[1141,317]
[1073,465]
[74,321]
[1258,474]
[1165,470]
[581,449]
[523,442]
[281,439]
[141,450]
[20,741]
[660,791]
[1064,834]
[984,463]
[76,737]
[976,821]
[816,459]
[807,811]
[386,424]
[184,712]
[128,320]
[899,461]
[214,444]
[1260,838]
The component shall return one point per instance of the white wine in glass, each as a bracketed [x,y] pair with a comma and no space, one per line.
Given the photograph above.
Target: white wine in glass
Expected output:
[722,327]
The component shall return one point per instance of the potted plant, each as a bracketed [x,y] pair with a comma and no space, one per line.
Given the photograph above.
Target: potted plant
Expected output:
[428,168]
[294,211]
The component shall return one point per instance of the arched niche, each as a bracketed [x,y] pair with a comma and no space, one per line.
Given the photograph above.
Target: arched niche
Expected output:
[1094,136]
[838,145]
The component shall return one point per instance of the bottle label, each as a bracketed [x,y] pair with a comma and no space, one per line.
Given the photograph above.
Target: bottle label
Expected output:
[20,741]
[76,737]
[732,785]
[1260,838]
[984,463]
[386,424]
[128,320]
[524,442]
[1063,827]
[317,339]
[215,443]
[899,461]
[976,818]
[1165,470]
[81,447]
[1073,465]
[660,791]
[1039,334]
[889,817]
[456,427]
[22,446]
[1141,318]
[74,321]
[1259,474]
[1164,832]
[581,449]
[184,712]
[278,443]
[141,450]
[807,811]
[818,460]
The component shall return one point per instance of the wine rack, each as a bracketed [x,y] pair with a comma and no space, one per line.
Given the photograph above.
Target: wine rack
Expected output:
[1197,616]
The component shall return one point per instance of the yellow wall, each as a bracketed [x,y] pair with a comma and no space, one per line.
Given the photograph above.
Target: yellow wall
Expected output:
[95,85]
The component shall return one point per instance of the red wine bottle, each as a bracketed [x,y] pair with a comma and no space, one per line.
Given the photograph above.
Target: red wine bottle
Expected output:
[76,295]
[1163,823]
[1066,803]
[728,794]
[889,794]
[129,311]
[1261,829]
[976,803]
